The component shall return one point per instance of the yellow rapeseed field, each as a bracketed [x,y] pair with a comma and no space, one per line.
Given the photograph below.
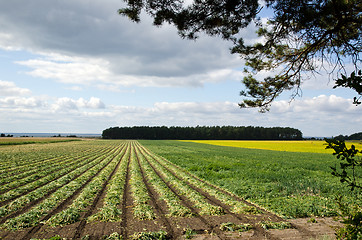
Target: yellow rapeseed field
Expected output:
[288,146]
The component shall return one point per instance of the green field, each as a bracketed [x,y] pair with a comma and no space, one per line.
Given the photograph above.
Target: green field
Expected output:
[33,140]
[292,184]
[129,189]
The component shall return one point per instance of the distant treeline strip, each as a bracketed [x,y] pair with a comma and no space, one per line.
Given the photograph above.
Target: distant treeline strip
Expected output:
[203,133]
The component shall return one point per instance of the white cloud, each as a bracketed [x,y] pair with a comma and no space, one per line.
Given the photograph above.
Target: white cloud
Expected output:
[90,71]
[68,104]
[30,102]
[319,116]
[10,89]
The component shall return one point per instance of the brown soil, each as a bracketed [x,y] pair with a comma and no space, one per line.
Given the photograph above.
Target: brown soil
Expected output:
[201,226]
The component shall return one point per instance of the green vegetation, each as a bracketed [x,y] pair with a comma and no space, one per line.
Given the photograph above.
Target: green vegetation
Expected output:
[88,181]
[275,225]
[287,183]
[142,210]
[161,235]
[231,227]
[173,202]
[202,132]
[29,140]
[184,189]
[349,172]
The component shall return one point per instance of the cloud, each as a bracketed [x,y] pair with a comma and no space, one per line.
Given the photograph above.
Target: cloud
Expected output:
[91,71]
[68,104]
[94,43]
[319,116]
[10,89]
[321,104]
[16,102]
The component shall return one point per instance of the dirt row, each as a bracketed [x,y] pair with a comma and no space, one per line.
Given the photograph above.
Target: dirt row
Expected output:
[199,226]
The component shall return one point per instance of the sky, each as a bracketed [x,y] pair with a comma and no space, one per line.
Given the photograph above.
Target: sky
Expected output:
[78,67]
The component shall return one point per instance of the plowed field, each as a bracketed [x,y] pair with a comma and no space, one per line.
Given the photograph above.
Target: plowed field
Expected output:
[119,189]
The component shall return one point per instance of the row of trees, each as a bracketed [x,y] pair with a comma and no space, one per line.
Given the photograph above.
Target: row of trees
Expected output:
[354,136]
[4,135]
[203,132]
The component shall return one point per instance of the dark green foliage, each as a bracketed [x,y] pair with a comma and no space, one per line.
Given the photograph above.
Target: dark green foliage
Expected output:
[216,133]
[299,37]
[214,17]
[354,136]
[348,172]
[3,135]
[354,82]
[350,164]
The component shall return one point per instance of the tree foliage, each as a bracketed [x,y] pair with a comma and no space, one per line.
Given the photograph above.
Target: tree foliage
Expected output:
[301,37]
[203,132]
[350,162]
[349,172]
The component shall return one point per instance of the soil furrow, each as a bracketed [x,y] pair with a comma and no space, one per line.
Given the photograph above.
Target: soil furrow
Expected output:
[161,214]
[267,215]
[39,186]
[62,205]
[126,201]
[259,232]
[65,161]
[36,201]
[92,208]
[209,226]
[33,164]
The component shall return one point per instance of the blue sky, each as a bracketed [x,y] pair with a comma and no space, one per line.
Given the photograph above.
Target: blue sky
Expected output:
[78,67]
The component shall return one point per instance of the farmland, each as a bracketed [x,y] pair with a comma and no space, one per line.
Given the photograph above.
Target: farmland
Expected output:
[32,140]
[105,189]
[288,146]
[291,184]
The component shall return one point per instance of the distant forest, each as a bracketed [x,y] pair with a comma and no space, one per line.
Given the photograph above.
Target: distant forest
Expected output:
[203,133]
[355,136]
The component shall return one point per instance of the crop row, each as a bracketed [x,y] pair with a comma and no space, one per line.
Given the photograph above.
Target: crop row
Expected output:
[65,187]
[141,210]
[197,199]
[31,156]
[174,204]
[110,212]
[237,206]
[105,177]
[86,197]
[72,167]
[35,177]
[26,167]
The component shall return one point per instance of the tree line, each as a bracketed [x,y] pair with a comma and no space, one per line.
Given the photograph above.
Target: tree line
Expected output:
[354,136]
[4,135]
[203,133]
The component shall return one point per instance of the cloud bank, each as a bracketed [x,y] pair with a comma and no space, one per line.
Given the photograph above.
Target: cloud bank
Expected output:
[313,116]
